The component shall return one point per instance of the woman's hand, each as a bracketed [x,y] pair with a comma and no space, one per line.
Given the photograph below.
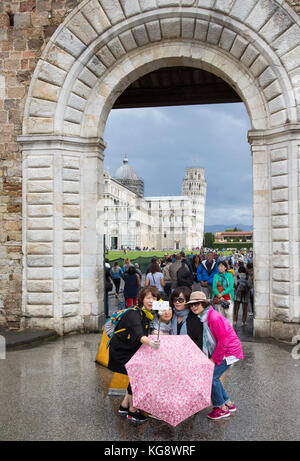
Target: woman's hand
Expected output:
[154,344]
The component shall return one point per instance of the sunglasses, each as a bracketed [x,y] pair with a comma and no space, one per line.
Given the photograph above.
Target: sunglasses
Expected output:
[199,303]
[179,300]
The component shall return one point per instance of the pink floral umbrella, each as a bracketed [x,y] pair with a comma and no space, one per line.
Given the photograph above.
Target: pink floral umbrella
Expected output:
[173,382]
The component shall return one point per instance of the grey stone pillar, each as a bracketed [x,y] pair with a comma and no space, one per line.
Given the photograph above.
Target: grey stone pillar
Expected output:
[276,191]
[62,241]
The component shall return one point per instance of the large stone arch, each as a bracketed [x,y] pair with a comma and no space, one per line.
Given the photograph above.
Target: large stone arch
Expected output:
[103,46]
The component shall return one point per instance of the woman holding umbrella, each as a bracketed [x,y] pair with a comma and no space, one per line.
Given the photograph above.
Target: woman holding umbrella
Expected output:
[131,332]
[221,345]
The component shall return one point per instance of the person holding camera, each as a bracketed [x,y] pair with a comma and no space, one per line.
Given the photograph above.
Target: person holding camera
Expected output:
[223,292]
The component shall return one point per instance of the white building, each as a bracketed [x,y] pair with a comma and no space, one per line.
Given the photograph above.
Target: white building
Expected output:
[172,222]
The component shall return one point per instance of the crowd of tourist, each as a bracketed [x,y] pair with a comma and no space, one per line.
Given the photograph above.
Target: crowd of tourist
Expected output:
[227,280]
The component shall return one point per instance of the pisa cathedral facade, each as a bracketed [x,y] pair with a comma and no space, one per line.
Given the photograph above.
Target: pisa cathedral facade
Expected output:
[170,223]
[64,65]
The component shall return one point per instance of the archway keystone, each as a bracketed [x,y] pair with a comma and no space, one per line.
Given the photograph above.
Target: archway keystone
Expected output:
[100,49]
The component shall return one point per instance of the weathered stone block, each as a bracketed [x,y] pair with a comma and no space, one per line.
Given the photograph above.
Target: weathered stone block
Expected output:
[77,102]
[52,74]
[128,41]
[96,16]
[277,104]
[281,261]
[39,311]
[188,26]
[227,39]
[40,210]
[278,23]
[280,234]
[140,35]
[280,221]
[22,20]
[82,29]
[130,7]
[279,168]
[281,275]
[70,310]
[40,286]
[147,5]
[201,30]
[113,10]
[278,182]
[153,29]
[239,46]
[287,40]
[260,14]
[40,261]
[214,33]
[279,195]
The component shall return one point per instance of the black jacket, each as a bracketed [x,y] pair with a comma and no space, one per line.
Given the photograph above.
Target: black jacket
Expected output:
[195,329]
[124,345]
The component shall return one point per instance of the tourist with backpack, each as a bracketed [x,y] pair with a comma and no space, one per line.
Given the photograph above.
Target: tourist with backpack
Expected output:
[185,276]
[129,334]
[173,270]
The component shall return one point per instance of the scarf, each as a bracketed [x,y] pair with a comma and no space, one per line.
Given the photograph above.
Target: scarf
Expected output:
[148,314]
[222,279]
[209,342]
[177,314]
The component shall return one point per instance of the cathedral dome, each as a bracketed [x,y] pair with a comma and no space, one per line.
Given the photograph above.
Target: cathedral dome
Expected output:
[125,171]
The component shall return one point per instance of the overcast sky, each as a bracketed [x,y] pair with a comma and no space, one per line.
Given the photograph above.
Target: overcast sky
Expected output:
[161,142]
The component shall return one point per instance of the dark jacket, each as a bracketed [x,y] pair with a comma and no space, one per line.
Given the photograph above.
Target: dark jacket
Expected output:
[195,329]
[124,345]
[131,287]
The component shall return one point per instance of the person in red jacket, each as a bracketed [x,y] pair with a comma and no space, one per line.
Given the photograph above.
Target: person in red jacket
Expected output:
[222,347]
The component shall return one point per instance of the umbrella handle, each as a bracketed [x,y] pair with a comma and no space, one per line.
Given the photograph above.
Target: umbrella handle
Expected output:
[158,330]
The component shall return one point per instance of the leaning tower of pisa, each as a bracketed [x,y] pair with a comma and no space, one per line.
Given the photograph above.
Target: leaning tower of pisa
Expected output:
[194,187]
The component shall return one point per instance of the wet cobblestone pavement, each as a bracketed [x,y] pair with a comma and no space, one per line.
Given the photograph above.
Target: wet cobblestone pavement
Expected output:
[57,392]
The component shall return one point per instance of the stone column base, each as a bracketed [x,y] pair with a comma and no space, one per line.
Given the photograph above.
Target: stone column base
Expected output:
[79,324]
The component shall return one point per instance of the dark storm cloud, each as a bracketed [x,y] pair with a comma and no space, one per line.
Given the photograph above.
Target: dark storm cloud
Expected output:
[161,142]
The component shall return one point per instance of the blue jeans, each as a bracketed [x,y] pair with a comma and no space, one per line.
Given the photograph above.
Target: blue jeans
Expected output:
[218,394]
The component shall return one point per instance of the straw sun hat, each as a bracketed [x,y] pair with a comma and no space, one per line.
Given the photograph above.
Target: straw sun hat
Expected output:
[197,297]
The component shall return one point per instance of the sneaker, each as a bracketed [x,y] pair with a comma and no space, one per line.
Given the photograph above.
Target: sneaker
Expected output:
[123,410]
[231,408]
[136,416]
[218,413]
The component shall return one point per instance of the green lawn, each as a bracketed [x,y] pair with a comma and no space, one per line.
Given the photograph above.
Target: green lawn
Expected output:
[132,255]
[113,255]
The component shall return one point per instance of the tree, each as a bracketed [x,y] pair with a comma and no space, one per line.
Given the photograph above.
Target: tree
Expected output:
[209,239]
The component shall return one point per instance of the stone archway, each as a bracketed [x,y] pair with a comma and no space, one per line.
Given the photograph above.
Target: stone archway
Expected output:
[100,49]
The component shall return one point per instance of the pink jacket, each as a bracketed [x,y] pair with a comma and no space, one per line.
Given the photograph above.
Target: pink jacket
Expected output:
[227,341]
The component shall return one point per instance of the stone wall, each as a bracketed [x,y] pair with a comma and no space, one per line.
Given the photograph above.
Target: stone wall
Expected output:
[25,28]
